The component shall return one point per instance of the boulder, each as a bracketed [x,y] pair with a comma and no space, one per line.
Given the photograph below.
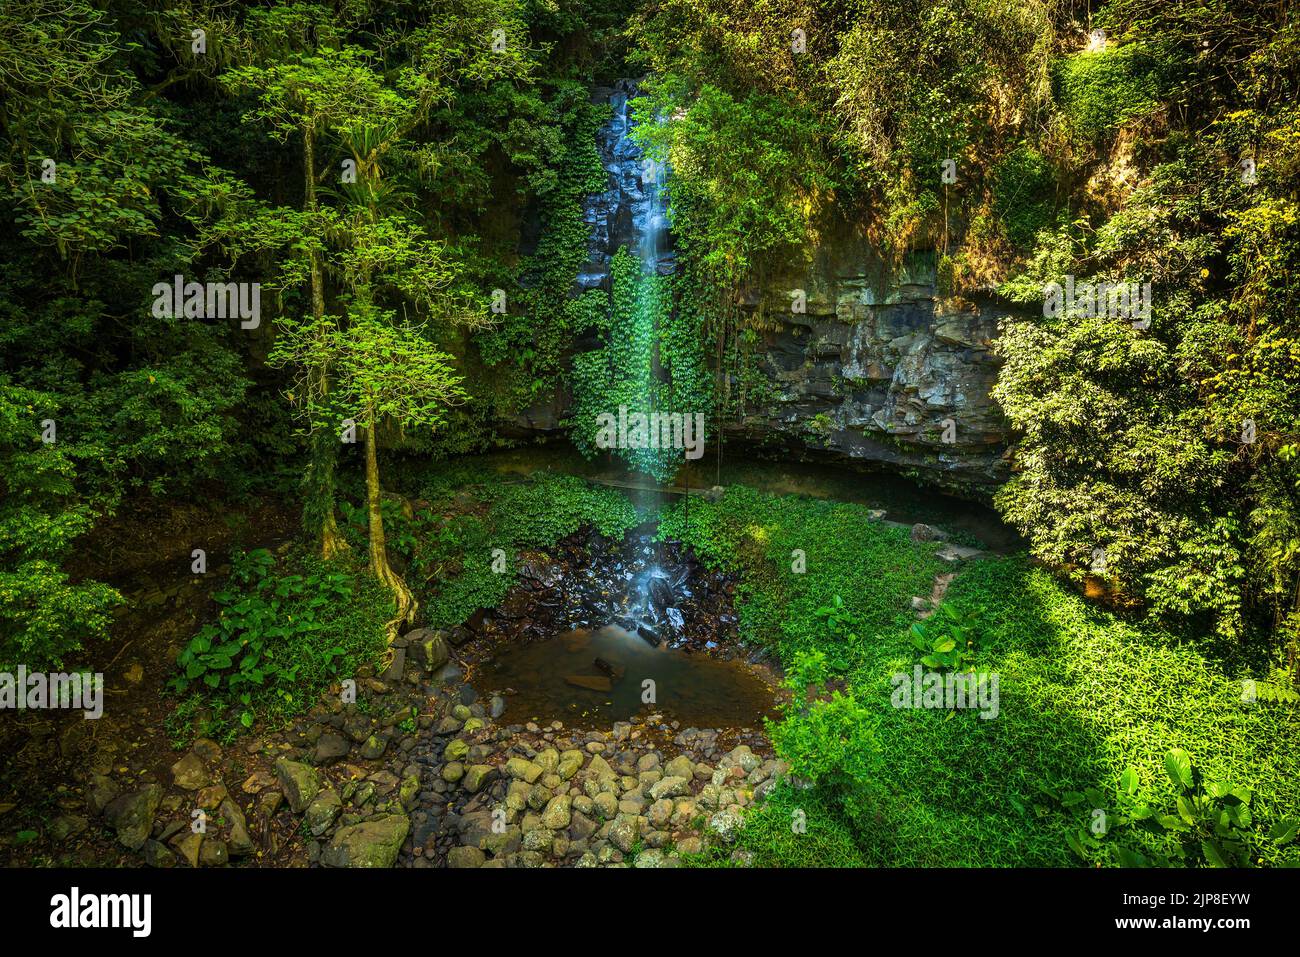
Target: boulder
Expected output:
[465,857]
[670,787]
[157,855]
[477,776]
[570,764]
[455,750]
[727,823]
[680,767]
[372,843]
[189,773]
[523,770]
[241,842]
[925,533]
[625,830]
[214,853]
[660,812]
[557,813]
[322,812]
[131,815]
[330,747]
[187,845]
[299,782]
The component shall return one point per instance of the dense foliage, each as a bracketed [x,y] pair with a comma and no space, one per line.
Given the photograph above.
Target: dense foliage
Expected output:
[281,637]
[353,159]
[1154,142]
[1088,703]
[392,194]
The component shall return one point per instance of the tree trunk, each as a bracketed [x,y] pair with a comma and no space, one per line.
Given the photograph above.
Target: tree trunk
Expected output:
[324,447]
[402,597]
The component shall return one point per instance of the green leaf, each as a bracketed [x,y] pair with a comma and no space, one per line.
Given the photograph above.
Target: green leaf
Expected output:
[1128,781]
[1213,853]
[1239,815]
[1283,831]
[1130,858]
[1178,765]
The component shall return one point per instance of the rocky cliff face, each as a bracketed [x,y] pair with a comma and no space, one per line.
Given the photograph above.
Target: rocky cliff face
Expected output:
[876,368]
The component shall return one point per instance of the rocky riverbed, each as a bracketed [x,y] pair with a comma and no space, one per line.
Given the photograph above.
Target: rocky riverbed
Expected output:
[422,771]
[434,762]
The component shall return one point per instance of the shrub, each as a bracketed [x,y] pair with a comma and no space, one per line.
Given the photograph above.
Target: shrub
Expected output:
[1023,195]
[281,638]
[44,615]
[1099,91]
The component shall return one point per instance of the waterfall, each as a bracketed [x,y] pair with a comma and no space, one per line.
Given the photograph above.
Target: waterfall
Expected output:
[651,229]
[632,214]
[632,211]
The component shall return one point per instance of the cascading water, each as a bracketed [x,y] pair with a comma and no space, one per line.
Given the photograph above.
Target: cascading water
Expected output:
[632,214]
[636,611]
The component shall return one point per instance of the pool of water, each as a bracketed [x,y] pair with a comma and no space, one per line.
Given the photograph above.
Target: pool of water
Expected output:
[901,499]
[591,677]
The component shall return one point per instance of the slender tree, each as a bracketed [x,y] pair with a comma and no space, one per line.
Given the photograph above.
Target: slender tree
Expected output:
[305,83]
[381,370]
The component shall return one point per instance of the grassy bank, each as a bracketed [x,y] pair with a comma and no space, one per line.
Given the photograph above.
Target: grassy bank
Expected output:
[1084,697]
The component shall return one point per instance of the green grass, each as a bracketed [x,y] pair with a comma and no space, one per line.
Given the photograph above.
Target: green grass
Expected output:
[875,568]
[1084,695]
[770,835]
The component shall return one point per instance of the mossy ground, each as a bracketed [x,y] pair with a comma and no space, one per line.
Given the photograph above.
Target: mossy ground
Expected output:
[1084,695]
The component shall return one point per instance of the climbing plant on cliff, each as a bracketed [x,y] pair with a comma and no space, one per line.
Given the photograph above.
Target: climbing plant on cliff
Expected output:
[653,361]
[527,344]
